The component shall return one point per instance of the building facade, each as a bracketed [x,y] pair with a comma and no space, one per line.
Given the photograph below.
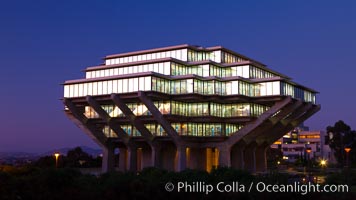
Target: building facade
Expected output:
[186,107]
[304,139]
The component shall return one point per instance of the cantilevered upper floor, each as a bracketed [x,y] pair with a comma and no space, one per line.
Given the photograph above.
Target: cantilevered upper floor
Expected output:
[185,69]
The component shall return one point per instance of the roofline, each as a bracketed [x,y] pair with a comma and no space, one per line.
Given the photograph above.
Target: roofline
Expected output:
[249,62]
[233,52]
[182,46]
[188,76]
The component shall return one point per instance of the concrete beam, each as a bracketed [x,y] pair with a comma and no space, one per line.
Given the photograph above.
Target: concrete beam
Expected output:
[258,122]
[282,123]
[294,123]
[109,121]
[157,115]
[84,123]
[251,137]
[133,119]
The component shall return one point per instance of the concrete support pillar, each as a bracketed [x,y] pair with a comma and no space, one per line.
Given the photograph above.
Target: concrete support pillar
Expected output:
[181,158]
[139,159]
[249,157]
[237,156]
[261,160]
[224,156]
[197,158]
[155,154]
[146,157]
[122,159]
[132,158]
[108,159]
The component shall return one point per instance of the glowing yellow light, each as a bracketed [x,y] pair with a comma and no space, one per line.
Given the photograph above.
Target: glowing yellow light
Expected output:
[347,149]
[56,155]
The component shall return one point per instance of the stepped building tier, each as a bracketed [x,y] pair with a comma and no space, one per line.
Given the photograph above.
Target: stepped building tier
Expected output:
[184,107]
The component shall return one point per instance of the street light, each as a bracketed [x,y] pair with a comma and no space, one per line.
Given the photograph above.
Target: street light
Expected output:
[347,150]
[308,150]
[56,155]
[323,162]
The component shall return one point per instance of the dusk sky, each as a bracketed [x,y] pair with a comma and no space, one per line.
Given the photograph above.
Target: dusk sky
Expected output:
[43,44]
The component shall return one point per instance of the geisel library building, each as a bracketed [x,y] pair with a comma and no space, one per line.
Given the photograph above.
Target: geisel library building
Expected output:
[184,107]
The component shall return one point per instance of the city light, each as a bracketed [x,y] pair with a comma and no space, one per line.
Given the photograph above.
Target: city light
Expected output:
[323,162]
[56,155]
[347,149]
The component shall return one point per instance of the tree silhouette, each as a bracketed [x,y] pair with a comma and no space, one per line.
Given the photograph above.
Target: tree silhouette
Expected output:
[340,136]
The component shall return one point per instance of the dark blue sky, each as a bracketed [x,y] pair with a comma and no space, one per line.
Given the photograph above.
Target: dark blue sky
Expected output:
[43,44]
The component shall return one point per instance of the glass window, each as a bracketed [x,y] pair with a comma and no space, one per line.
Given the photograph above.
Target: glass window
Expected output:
[228,88]
[140,68]
[66,91]
[135,69]
[135,84]
[114,86]
[166,68]
[107,72]
[95,88]
[131,85]
[80,90]
[85,89]
[110,88]
[148,83]
[234,87]
[116,71]
[90,88]
[276,88]
[119,86]
[102,73]
[124,85]
[100,88]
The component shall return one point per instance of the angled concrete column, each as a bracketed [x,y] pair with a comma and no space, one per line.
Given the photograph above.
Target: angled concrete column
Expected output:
[294,122]
[157,115]
[249,157]
[270,122]
[261,160]
[140,126]
[181,159]
[105,116]
[84,123]
[278,106]
[108,159]
[224,156]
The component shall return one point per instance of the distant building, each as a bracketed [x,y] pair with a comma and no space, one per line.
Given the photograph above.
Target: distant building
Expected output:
[302,140]
[186,107]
